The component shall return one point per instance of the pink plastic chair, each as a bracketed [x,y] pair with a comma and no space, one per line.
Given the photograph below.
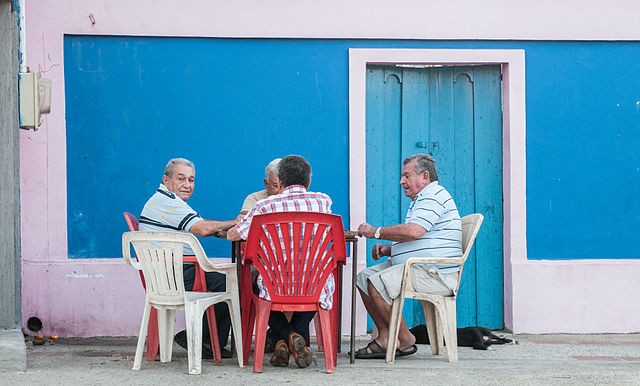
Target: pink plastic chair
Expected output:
[199,285]
[304,248]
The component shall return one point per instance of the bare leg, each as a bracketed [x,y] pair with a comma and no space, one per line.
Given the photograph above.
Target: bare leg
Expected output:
[370,306]
[380,312]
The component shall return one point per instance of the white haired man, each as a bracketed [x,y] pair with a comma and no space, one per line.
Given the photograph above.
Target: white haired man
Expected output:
[271,186]
[167,210]
[432,228]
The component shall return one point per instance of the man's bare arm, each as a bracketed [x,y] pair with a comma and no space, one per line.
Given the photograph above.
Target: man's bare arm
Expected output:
[211,227]
[399,232]
[241,215]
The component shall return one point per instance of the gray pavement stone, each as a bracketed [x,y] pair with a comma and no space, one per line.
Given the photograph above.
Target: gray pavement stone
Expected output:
[535,360]
[13,354]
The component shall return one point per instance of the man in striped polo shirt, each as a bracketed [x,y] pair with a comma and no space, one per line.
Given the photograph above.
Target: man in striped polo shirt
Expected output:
[432,228]
[167,211]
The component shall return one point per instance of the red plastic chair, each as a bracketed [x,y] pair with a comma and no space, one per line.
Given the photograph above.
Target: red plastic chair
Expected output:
[199,285]
[305,247]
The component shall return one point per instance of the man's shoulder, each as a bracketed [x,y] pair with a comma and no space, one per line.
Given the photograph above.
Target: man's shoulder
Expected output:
[309,196]
[163,194]
[291,196]
[433,191]
[318,194]
[259,195]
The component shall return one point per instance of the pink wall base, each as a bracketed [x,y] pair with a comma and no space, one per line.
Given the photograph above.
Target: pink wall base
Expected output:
[104,297]
[96,297]
[575,296]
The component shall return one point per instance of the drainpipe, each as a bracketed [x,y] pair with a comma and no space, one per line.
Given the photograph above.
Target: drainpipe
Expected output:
[22,38]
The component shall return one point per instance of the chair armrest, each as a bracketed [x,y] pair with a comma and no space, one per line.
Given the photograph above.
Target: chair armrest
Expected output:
[432,260]
[126,252]
[208,266]
[407,281]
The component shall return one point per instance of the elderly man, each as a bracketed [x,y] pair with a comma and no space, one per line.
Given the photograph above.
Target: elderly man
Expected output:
[167,210]
[271,186]
[294,173]
[432,228]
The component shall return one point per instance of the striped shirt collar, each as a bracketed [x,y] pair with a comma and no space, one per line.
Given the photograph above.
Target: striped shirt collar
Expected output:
[293,189]
[427,189]
[432,185]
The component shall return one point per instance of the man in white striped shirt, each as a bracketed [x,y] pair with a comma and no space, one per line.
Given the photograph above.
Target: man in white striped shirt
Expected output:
[432,228]
[167,211]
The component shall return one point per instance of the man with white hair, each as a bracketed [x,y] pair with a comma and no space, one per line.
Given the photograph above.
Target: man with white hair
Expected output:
[271,186]
[167,210]
[432,228]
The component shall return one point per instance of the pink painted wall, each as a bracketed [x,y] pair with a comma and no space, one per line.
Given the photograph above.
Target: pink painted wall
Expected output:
[93,297]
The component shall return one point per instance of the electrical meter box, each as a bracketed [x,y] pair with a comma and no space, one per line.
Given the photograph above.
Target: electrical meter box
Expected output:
[35,99]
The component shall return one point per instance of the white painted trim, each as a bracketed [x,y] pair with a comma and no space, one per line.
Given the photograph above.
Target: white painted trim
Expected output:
[513,133]
[353,19]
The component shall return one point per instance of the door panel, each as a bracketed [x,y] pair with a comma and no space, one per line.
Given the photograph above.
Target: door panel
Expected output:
[453,113]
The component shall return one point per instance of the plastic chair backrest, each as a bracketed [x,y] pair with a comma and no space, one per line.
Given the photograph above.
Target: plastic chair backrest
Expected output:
[470,227]
[295,252]
[159,256]
[132,220]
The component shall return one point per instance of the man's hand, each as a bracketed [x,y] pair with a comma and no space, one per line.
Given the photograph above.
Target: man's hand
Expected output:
[211,227]
[380,250]
[233,235]
[366,230]
[399,232]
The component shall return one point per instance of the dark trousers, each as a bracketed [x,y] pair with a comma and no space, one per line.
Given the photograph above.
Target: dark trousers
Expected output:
[281,327]
[299,323]
[216,282]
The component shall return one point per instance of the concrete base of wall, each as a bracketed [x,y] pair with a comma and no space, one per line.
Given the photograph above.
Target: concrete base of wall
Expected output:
[573,296]
[13,352]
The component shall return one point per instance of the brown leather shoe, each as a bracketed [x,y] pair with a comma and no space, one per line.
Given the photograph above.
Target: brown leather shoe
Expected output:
[280,355]
[299,349]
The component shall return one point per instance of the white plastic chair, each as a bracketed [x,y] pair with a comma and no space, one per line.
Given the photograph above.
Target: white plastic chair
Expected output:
[439,310]
[160,256]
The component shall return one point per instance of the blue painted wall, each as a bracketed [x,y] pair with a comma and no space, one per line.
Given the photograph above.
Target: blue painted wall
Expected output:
[231,105]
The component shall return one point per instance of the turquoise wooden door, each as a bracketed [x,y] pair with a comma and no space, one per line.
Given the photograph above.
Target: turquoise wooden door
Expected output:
[453,113]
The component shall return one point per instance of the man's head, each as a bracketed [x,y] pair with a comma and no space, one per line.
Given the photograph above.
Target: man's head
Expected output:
[179,177]
[271,180]
[294,170]
[419,171]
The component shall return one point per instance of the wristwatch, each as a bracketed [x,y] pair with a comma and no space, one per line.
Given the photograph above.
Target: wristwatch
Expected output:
[377,234]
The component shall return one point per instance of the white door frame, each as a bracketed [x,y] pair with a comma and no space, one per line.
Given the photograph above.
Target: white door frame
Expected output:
[513,140]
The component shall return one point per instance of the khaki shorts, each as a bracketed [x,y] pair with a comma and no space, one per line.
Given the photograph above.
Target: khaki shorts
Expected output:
[387,280]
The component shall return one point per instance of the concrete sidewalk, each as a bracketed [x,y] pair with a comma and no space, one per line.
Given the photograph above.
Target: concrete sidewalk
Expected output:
[536,359]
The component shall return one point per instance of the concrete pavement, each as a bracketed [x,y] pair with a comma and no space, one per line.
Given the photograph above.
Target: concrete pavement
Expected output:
[537,359]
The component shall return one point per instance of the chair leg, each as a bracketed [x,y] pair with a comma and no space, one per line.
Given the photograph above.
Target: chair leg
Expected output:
[213,334]
[193,316]
[153,338]
[316,324]
[248,323]
[328,339]
[246,311]
[141,336]
[448,317]
[430,319]
[263,308]
[234,312]
[394,328]
[166,321]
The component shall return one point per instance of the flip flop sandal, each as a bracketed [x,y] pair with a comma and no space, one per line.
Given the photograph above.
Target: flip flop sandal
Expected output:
[377,352]
[403,353]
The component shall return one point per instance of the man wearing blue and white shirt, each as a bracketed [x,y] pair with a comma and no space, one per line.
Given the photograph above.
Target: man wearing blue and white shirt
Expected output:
[167,211]
[432,228]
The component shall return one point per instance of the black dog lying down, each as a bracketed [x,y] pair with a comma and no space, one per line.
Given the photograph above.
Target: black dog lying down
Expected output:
[479,338]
